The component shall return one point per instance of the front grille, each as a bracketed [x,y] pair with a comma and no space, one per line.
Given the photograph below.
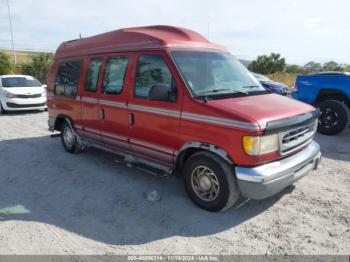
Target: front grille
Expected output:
[28,96]
[13,105]
[293,139]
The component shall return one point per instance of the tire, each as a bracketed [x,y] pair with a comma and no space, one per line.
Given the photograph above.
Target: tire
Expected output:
[214,171]
[334,117]
[68,139]
[2,110]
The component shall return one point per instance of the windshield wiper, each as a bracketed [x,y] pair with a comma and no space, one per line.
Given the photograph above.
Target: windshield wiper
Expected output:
[204,97]
[224,89]
[214,91]
[250,86]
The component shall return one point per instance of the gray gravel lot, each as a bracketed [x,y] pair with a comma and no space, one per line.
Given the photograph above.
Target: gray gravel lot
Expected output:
[52,202]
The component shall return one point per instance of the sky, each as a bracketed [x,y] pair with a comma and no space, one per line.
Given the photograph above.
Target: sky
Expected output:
[300,30]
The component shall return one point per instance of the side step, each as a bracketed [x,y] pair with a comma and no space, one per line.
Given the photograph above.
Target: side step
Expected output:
[150,169]
[131,161]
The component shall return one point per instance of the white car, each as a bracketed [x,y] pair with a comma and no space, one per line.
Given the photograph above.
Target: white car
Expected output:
[21,92]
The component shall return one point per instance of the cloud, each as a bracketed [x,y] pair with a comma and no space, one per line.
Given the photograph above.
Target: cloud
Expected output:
[289,4]
[298,29]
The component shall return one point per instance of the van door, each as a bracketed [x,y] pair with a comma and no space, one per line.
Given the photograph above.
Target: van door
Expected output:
[113,103]
[91,113]
[154,125]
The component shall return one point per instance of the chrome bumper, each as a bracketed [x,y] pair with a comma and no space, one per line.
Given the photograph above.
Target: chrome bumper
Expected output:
[268,179]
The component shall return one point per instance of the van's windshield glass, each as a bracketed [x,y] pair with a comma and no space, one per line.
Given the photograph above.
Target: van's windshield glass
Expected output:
[215,75]
[20,82]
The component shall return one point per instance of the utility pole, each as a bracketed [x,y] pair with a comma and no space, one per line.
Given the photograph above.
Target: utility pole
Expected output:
[13,43]
[209,30]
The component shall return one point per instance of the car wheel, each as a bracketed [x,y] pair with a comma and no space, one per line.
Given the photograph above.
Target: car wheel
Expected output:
[2,110]
[68,138]
[210,182]
[334,117]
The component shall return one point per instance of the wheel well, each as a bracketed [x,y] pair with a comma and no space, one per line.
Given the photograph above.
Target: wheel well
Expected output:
[181,159]
[59,122]
[188,152]
[332,95]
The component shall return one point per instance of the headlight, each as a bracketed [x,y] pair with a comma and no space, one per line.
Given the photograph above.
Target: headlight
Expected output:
[258,145]
[8,94]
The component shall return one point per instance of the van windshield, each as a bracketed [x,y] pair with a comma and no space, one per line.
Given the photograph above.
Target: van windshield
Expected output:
[215,75]
[20,82]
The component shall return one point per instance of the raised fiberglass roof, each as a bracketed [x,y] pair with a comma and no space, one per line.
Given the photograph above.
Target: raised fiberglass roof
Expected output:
[136,38]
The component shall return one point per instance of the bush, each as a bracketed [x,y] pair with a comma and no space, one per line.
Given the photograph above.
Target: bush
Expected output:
[38,66]
[5,64]
[294,69]
[332,66]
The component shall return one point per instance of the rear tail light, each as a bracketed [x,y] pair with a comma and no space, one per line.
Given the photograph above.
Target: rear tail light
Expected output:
[295,86]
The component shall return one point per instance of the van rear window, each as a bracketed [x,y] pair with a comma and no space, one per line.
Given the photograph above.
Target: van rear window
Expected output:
[67,79]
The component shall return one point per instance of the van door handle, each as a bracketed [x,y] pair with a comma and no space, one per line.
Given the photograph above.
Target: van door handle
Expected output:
[131,119]
[101,114]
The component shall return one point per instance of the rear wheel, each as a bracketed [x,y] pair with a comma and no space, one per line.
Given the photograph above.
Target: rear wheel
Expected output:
[68,138]
[210,182]
[334,117]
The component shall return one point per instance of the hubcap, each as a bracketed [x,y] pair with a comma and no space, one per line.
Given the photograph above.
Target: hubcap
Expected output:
[205,183]
[68,137]
[328,118]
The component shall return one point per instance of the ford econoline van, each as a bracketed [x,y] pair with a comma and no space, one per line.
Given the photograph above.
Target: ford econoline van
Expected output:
[167,99]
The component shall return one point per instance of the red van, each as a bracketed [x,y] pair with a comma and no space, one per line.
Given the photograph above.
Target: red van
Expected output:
[166,99]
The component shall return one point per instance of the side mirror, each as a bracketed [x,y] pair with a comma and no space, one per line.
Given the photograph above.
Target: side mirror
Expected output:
[162,93]
[44,86]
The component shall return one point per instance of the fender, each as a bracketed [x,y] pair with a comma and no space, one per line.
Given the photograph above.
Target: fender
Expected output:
[69,121]
[179,160]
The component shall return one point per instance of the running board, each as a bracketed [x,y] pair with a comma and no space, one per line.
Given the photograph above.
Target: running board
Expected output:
[131,161]
[150,169]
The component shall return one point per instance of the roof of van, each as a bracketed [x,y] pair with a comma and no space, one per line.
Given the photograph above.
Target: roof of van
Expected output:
[136,38]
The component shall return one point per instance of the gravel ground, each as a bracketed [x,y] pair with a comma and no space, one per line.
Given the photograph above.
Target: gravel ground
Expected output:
[52,202]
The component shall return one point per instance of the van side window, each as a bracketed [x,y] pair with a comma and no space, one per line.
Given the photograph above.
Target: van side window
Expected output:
[151,70]
[67,79]
[92,74]
[114,75]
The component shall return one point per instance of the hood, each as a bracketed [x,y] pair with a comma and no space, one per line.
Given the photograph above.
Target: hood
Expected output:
[262,108]
[25,90]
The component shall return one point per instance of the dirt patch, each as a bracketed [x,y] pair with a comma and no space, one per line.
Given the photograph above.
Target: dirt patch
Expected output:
[52,202]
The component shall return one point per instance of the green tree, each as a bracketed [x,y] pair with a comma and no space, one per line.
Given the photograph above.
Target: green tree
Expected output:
[268,64]
[347,68]
[38,66]
[312,67]
[332,66]
[5,64]
[294,69]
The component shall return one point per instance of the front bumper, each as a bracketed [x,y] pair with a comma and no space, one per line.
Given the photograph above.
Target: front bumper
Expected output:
[266,180]
[17,104]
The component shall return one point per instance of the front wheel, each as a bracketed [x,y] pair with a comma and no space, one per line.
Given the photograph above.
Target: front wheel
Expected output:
[210,182]
[2,110]
[334,117]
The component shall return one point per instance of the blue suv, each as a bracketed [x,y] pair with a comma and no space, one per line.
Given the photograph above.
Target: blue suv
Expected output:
[329,91]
